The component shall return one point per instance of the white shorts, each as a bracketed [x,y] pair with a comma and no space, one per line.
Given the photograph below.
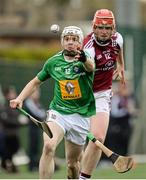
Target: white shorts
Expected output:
[103,101]
[75,126]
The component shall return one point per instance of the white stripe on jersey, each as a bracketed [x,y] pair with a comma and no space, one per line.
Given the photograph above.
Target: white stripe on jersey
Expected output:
[89,43]
[90,48]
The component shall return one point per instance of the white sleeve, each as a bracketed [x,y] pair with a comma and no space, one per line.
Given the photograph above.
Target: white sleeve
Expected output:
[90,51]
[119,39]
[90,58]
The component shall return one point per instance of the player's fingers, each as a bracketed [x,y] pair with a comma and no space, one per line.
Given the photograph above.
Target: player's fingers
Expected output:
[122,80]
[14,104]
[115,72]
[77,57]
[115,77]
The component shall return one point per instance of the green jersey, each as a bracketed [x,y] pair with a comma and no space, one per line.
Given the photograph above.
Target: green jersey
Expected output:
[73,85]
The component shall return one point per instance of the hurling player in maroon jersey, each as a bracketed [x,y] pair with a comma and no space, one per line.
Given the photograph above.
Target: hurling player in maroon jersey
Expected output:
[105,45]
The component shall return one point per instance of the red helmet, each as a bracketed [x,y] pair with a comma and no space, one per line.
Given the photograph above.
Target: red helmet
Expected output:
[104,16]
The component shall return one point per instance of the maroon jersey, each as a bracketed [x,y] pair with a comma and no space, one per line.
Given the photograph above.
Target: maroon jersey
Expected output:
[105,59]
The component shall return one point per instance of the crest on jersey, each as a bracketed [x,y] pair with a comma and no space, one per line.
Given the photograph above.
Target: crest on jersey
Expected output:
[76,69]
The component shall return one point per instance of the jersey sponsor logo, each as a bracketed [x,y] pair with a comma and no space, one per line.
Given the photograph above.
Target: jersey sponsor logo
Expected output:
[70,89]
[108,66]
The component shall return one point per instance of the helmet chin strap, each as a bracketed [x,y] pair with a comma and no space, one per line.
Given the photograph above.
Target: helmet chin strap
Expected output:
[69,53]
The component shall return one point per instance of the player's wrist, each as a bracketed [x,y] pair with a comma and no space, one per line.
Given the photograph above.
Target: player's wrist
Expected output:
[82,57]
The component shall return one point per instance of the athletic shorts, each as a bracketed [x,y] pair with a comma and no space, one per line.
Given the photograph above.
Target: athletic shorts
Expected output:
[103,101]
[75,126]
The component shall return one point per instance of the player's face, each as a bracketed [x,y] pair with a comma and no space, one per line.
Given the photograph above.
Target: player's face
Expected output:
[103,32]
[71,43]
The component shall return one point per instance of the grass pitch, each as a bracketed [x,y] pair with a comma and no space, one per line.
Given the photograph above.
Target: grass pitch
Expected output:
[100,173]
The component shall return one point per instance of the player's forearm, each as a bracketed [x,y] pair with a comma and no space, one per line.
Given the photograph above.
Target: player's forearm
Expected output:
[120,64]
[121,60]
[29,89]
[86,60]
[89,65]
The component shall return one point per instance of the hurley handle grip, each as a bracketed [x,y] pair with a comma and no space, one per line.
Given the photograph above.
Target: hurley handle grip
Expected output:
[106,150]
[91,137]
[22,111]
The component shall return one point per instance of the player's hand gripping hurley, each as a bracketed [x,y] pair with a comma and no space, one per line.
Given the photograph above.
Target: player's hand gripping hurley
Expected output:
[121,164]
[43,125]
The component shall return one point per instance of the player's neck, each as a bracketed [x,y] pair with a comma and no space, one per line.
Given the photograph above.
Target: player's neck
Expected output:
[69,58]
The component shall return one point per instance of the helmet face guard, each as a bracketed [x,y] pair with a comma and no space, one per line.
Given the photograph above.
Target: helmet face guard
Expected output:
[74,31]
[104,17]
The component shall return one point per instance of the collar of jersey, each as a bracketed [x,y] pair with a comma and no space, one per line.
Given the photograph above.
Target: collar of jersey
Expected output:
[93,36]
[72,60]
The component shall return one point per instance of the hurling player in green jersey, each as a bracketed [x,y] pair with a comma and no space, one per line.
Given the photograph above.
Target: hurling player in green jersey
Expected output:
[73,103]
